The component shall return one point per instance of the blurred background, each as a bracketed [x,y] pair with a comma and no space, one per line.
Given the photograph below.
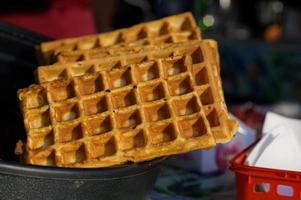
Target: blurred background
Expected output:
[260,51]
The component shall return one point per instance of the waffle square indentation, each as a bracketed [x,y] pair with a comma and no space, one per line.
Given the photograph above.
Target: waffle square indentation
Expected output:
[89,85]
[124,98]
[63,91]
[95,105]
[36,100]
[133,139]
[39,119]
[200,74]
[111,39]
[164,29]
[162,133]
[173,66]
[51,159]
[197,56]
[206,97]
[99,125]
[74,153]
[134,59]
[157,112]
[66,112]
[46,158]
[102,147]
[142,33]
[185,106]
[213,118]
[52,74]
[81,70]
[186,25]
[68,133]
[151,92]
[88,44]
[147,71]
[119,78]
[127,120]
[193,127]
[180,86]
[40,139]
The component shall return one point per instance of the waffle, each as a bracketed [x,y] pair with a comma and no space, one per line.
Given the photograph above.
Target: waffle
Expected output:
[65,56]
[135,113]
[172,24]
[69,70]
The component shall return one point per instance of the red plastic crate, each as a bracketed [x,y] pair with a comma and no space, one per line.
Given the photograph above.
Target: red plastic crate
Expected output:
[256,183]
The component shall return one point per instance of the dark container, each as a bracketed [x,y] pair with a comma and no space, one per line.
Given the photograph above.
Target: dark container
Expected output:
[20,181]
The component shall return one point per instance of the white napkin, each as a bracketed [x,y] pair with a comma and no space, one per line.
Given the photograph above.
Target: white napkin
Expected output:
[280,146]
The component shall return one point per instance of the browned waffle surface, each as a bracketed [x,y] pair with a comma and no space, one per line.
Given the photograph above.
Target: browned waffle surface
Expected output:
[69,70]
[65,56]
[135,113]
[172,24]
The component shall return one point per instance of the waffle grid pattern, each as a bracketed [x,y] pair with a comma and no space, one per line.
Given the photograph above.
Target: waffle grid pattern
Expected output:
[68,55]
[177,109]
[172,24]
[69,70]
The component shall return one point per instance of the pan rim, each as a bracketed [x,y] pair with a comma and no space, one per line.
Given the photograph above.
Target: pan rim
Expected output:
[120,172]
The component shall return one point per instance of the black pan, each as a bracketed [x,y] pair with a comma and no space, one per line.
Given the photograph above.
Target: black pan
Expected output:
[20,181]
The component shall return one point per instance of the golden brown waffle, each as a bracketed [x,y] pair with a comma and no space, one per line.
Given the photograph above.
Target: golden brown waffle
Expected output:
[172,24]
[65,56]
[134,113]
[69,70]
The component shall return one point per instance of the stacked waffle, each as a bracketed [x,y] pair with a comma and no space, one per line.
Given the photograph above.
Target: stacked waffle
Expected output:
[134,94]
